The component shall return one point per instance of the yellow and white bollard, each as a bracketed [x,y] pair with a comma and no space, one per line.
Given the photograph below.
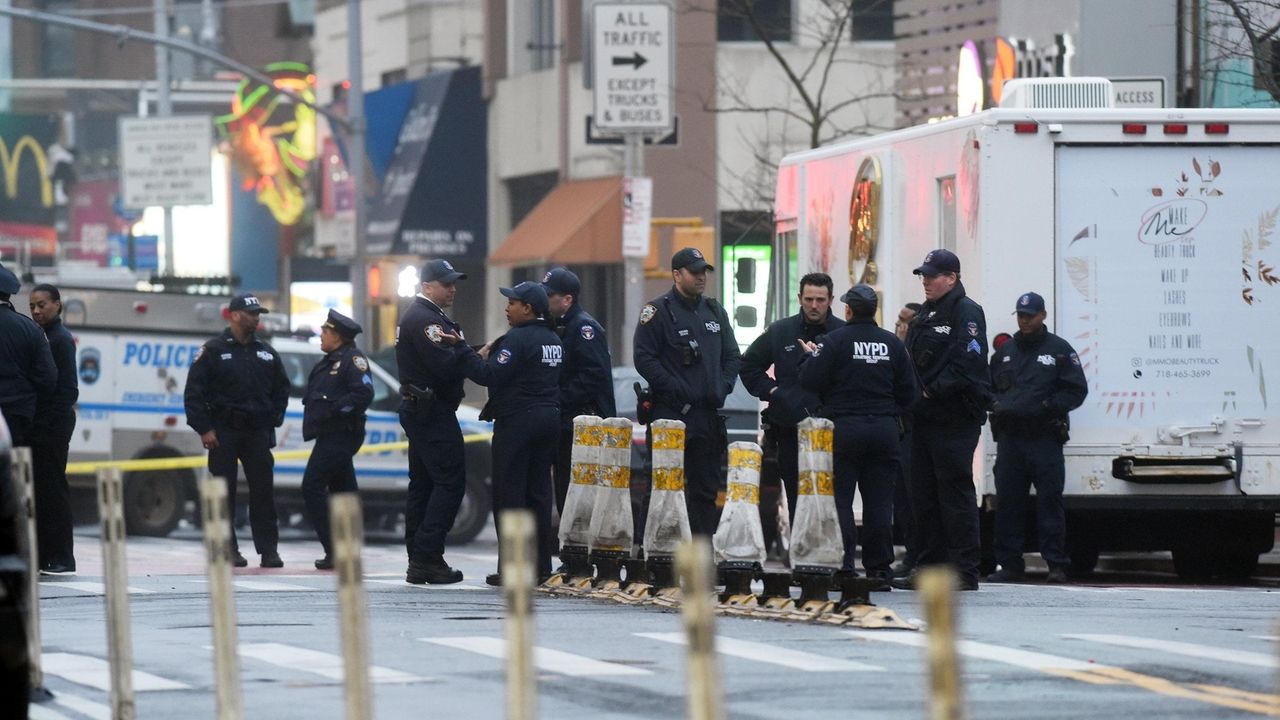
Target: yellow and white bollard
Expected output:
[817,549]
[575,521]
[222,599]
[115,579]
[935,586]
[612,525]
[667,524]
[706,702]
[517,540]
[347,521]
[739,539]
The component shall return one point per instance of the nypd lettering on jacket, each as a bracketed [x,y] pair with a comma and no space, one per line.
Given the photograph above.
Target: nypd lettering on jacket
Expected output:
[871,352]
[552,355]
[861,370]
[522,372]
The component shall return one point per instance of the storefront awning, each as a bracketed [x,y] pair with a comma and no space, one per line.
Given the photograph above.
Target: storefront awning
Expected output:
[579,223]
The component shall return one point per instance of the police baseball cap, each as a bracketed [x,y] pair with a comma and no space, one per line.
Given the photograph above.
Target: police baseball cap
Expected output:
[247,302]
[561,281]
[691,259]
[530,293]
[861,299]
[9,283]
[440,270]
[1029,304]
[342,324]
[938,262]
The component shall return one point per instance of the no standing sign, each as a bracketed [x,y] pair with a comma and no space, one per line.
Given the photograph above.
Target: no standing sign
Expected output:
[632,46]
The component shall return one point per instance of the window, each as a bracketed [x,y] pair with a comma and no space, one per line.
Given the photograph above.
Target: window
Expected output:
[733,20]
[57,45]
[872,20]
[542,36]
[527,191]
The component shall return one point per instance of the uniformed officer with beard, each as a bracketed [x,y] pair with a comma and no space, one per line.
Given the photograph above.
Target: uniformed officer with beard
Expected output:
[865,381]
[339,391]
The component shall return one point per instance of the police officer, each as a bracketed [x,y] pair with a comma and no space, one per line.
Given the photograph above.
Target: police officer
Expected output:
[339,391]
[865,381]
[27,373]
[686,351]
[431,378]
[780,346]
[522,371]
[51,438]
[1037,380]
[948,344]
[586,373]
[237,391]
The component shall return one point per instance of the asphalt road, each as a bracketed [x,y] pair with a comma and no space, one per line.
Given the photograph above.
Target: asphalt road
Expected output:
[1134,644]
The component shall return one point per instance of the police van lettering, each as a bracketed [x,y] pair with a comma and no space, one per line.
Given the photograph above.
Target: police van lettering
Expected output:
[552,355]
[942,329]
[871,352]
[160,354]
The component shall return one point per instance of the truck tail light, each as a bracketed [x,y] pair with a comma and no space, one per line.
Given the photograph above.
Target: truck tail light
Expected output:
[1175,129]
[1029,128]
[1216,128]
[1134,128]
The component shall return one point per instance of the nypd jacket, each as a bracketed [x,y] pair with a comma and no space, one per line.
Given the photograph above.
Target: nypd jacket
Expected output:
[586,375]
[422,359]
[1036,378]
[948,345]
[27,373]
[686,351]
[58,419]
[860,369]
[339,391]
[777,346]
[522,371]
[236,385]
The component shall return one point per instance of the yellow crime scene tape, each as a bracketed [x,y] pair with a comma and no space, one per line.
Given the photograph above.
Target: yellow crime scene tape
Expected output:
[195,461]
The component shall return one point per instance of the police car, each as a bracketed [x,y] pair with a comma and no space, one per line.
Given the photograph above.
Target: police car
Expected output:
[131,406]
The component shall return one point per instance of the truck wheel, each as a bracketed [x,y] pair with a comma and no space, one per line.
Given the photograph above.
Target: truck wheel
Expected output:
[477,504]
[154,501]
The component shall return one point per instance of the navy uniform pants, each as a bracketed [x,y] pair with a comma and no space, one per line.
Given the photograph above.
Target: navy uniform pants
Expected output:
[524,449]
[563,468]
[1023,461]
[53,501]
[866,460]
[943,499]
[784,440]
[330,469]
[437,478]
[904,523]
[253,449]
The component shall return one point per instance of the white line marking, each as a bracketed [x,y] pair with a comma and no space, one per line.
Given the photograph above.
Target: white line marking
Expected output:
[268,586]
[320,663]
[95,588]
[429,586]
[97,711]
[760,652]
[96,673]
[44,712]
[1272,638]
[983,651]
[1239,657]
[545,659]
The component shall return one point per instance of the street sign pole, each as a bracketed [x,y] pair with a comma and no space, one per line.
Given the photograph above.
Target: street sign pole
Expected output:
[358,269]
[632,264]
[164,108]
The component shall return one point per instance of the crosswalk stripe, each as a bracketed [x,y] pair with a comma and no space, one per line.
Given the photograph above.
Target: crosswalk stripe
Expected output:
[94,588]
[772,654]
[97,711]
[44,712]
[1239,657]
[96,673]
[983,651]
[427,586]
[1272,638]
[269,586]
[319,663]
[545,659]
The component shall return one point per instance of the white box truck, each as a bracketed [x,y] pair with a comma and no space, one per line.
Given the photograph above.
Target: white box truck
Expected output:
[1152,234]
[133,350]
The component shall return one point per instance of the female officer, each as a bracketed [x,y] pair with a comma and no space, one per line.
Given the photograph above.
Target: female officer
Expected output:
[51,437]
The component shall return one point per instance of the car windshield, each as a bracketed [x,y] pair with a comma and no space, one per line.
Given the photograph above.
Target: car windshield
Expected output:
[298,367]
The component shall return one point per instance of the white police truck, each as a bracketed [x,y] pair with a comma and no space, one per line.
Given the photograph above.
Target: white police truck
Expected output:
[133,350]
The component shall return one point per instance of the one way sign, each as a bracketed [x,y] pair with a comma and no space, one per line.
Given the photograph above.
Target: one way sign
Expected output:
[632,46]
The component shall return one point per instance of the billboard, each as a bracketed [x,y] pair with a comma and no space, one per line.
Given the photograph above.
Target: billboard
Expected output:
[26,190]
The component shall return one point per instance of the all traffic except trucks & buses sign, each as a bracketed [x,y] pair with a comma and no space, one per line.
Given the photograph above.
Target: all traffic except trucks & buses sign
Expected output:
[632,47]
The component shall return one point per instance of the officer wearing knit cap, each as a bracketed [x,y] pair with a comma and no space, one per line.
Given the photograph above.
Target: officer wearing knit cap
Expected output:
[865,381]
[339,392]
[586,376]
[25,351]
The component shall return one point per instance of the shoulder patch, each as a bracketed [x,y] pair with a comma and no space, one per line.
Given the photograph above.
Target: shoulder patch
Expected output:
[972,327]
[433,332]
[1075,359]
[360,362]
[646,313]
[974,347]
[587,332]
[504,356]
